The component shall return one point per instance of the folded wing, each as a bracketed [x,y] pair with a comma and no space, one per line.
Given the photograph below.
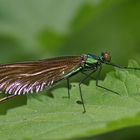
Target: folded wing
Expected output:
[23,78]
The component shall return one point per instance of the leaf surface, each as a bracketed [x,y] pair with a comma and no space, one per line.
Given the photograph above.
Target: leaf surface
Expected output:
[59,118]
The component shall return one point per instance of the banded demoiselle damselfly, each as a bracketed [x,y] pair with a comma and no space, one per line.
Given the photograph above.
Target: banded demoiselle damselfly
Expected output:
[32,77]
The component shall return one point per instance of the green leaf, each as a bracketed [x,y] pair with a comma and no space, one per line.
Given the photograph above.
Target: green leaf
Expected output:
[61,118]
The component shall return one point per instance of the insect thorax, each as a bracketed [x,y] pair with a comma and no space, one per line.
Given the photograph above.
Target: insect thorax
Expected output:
[91,62]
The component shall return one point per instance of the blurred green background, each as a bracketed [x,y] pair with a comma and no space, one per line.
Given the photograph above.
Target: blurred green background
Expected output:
[37,29]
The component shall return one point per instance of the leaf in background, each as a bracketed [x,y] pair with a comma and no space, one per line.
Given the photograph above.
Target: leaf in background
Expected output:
[59,118]
[26,19]
[40,29]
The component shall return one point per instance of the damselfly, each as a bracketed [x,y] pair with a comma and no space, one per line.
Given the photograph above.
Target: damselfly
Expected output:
[32,77]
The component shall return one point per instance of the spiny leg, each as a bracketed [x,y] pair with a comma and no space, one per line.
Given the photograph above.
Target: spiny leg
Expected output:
[81,96]
[7,97]
[123,67]
[97,82]
[68,86]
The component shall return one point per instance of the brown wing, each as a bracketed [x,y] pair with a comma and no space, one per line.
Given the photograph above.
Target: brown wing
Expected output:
[22,78]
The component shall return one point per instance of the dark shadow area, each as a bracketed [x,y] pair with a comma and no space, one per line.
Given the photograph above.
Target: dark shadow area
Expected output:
[12,103]
[131,133]
[22,100]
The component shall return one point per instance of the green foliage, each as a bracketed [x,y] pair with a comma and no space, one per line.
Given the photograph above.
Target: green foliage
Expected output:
[44,117]
[35,29]
[45,28]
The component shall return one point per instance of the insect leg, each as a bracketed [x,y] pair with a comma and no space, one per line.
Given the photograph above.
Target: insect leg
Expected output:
[97,82]
[68,86]
[81,96]
[122,67]
[7,97]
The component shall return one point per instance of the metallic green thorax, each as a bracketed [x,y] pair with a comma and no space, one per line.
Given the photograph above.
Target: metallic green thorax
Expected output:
[91,59]
[89,63]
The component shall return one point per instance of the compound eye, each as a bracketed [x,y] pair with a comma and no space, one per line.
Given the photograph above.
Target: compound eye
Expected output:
[107,57]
